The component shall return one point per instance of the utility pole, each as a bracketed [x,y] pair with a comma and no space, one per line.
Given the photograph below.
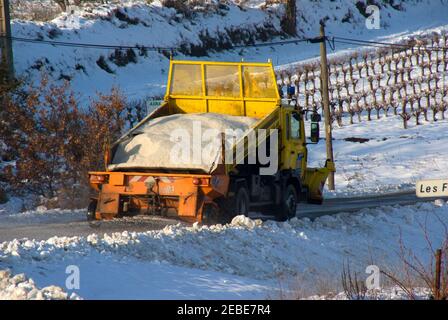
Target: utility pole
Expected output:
[326,102]
[6,61]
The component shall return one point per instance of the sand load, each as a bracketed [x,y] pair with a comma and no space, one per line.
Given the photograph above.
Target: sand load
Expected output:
[180,142]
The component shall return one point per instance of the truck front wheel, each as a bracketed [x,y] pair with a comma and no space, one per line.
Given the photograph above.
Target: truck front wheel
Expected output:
[242,201]
[239,203]
[288,205]
[91,210]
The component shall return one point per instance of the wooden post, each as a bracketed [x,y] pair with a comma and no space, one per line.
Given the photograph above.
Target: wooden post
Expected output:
[326,102]
[6,61]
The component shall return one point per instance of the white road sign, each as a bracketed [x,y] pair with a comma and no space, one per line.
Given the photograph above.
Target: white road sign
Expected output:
[432,188]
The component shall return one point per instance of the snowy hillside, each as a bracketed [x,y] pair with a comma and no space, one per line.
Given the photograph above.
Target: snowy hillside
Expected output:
[141,74]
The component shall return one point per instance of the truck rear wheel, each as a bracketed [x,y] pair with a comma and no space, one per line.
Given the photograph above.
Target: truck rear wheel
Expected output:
[91,210]
[211,215]
[235,205]
[242,201]
[288,205]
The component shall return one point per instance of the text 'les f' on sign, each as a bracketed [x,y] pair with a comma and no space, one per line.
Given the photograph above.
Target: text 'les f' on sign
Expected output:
[432,188]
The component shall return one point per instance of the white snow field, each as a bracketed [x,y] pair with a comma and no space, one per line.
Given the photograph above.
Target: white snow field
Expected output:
[245,259]
[154,25]
[392,159]
[13,212]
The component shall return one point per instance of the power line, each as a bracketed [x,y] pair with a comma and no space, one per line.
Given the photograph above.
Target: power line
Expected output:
[386,44]
[356,43]
[89,45]
[331,41]
[274,43]
[152,48]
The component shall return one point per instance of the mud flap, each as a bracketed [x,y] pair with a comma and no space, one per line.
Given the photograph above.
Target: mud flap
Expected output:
[188,205]
[109,203]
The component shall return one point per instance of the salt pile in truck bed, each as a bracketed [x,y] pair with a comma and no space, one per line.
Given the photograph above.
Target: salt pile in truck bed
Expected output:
[151,145]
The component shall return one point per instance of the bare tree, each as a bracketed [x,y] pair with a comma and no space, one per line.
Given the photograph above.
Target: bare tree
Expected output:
[62,4]
[289,20]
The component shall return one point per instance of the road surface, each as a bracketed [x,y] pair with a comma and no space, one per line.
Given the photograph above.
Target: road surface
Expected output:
[80,227]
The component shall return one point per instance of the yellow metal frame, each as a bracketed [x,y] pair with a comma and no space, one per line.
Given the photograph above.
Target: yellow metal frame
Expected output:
[253,107]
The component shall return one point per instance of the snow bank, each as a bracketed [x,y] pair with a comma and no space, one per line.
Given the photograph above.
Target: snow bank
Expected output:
[19,287]
[254,249]
[250,255]
[393,293]
[13,213]
[160,142]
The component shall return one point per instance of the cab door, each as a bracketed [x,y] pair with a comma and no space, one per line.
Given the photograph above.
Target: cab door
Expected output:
[294,151]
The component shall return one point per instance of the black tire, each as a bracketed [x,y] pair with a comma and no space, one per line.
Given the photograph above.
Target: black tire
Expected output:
[242,202]
[211,215]
[235,205]
[288,204]
[91,209]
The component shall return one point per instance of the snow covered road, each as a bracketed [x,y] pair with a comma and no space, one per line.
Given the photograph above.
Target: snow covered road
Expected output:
[80,227]
[73,223]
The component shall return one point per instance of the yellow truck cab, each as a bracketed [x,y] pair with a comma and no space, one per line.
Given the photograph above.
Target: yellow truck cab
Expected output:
[229,188]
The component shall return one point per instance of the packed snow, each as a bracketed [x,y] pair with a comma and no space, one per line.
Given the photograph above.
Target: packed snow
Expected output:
[245,259]
[39,215]
[19,287]
[392,293]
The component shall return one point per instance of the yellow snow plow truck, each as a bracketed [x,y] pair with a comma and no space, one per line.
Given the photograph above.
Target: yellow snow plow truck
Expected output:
[221,144]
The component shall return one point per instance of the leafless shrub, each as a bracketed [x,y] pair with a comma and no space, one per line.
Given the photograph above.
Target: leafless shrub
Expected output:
[354,288]
[433,274]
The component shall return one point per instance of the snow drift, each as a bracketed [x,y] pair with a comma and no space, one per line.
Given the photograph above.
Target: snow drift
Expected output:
[19,287]
[261,252]
[175,141]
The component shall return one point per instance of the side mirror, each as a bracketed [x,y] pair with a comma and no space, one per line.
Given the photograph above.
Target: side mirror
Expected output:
[315,119]
[291,91]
